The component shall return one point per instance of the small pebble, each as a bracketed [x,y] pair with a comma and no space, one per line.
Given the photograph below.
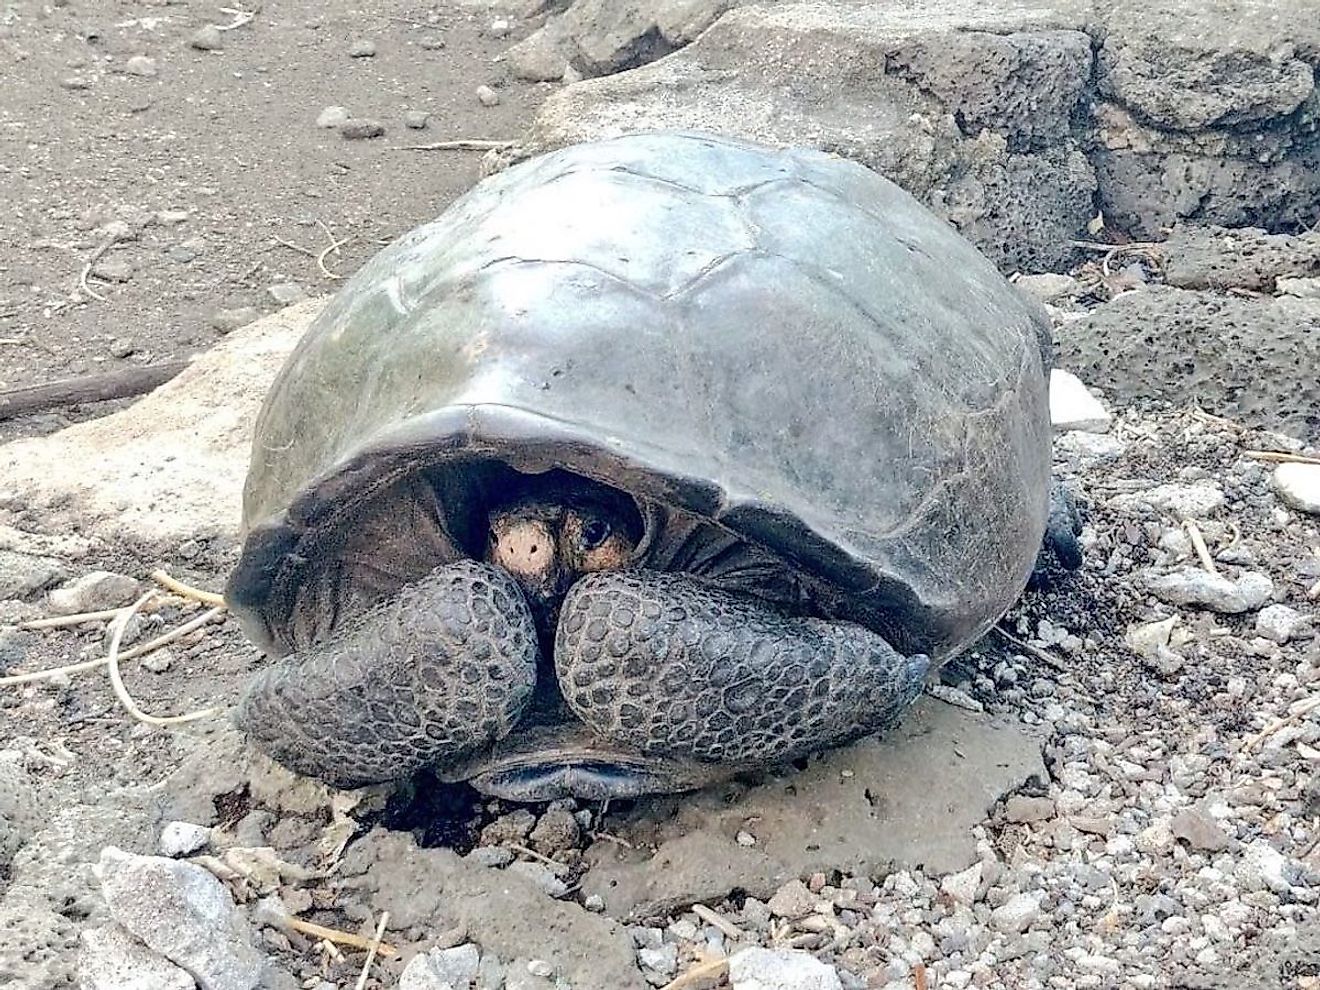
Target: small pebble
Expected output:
[332,117]
[487,96]
[359,130]
[113,270]
[745,839]
[287,293]
[208,39]
[362,48]
[76,82]
[539,967]
[229,320]
[500,28]
[140,65]
[416,119]
[182,838]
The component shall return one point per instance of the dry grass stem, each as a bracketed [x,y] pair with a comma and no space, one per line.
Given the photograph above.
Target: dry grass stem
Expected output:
[63,621]
[333,935]
[117,681]
[468,144]
[709,970]
[1035,651]
[1279,457]
[553,863]
[373,949]
[718,920]
[1198,544]
[186,590]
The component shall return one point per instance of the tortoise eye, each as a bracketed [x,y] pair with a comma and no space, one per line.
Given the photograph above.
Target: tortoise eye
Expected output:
[594,533]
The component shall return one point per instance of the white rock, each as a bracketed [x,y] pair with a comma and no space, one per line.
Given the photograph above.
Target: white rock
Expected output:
[442,969]
[1194,586]
[182,838]
[1073,407]
[185,914]
[93,592]
[112,959]
[1279,622]
[332,117]
[962,886]
[542,876]
[792,901]
[1146,639]
[1016,914]
[1299,486]
[1301,287]
[663,960]
[1262,865]
[1081,450]
[1194,501]
[1049,287]
[780,969]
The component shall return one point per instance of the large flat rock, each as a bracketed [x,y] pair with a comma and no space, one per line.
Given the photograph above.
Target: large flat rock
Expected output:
[1008,117]
[909,799]
[171,466]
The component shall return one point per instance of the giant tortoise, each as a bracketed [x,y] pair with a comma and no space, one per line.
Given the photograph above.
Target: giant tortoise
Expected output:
[651,460]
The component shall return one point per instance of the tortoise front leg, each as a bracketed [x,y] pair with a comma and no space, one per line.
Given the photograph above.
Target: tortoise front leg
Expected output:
[668,664]
[443,667]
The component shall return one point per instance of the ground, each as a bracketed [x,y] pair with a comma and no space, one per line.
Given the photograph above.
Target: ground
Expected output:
[213,157]
[1113,789]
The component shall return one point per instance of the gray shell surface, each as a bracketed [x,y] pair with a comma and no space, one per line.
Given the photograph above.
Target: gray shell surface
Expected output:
[782,342]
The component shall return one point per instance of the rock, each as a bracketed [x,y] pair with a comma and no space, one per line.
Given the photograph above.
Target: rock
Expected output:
[1302,288]
[416,120]
[434,888]
[113,270]
[362,48]
[1146,640]
[1073,407]
[780,969]
[1083,451]
[662,961]
[556,832]
[1194,501]
[792,901]
[964,885]
[21,574]
[1298,486]
[442,969]
[1194,586]
[1198,256]
[208,39]
[76,83]
[1280,623]
[513,828]
[1017,914]
[540,57]
[332,117]
[157,662]
[1261,865]
[1250,360]
[20,813]
[141,65]
[541,875]
[229,320]
[361,130]
[910,797]
[93,592]
[183,838]
[172,218]
[112,959]
[499,28]
[487,97]
[1049,287]
[1199,830]
[1022,809]
[495,857]
[287,293]
[184,913]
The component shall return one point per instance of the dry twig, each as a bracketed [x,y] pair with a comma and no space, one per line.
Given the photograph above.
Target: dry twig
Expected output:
[335,245]
[719,921]
[709,970]
[335,935]
[77,619]
[240,17]
[1198,544]
[1296,715]
[552,863]
[1035,651]
[373,949]
[467,144]
[117,681]
[96,256]
[163,579]
[1279,457]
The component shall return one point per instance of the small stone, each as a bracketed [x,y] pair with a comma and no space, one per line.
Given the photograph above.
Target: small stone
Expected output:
[93,592]
[141,65]
[112,959]
[500,28]
[186,251]
[511,828]
[361,130]
[287,293]
[745,839]
[542,876]
[1199,830]
[182,839]
[21,574]
[1195,586]
[183,912]
[208,39]
[171,218]
[332,117]
[487,97]
[157,662]
[113,270]
[1262,865]
[229,320]
[76,82]
[1049,287]
[539,967]
[362,48]
[662,960]
[963,886]
[1021,809]
[780,969]
[792,901]
[1280,623]
[1298,486]
[594,903]
[1195,501]
[556,832]
[1146,640]
[416,119]
[492,857]
[1301,287]
[1073,407]
[442,968]
[1015,915]
[431,43]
